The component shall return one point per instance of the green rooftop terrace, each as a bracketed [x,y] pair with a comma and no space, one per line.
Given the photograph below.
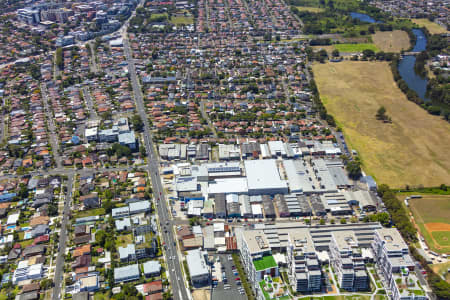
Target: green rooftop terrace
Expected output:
[266,262]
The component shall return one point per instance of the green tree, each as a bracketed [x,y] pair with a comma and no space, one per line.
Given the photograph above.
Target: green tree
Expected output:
[381,114]
[137,122]
[46,283]
[354,169]
[100,237]
[335,53]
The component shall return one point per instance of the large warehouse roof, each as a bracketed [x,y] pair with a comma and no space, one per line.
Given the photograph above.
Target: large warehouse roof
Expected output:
[236,185]
[263,175]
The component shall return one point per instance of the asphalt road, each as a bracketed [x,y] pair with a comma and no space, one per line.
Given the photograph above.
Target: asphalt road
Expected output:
[59,266]
[172,259]
[90,103]
[51,126]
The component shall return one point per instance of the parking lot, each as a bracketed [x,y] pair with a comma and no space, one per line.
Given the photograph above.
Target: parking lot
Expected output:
[226,289]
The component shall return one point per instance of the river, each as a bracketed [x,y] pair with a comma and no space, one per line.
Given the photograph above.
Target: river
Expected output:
[406,67]
[363,17]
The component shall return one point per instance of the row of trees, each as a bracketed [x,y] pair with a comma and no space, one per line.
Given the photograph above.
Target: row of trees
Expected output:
[59,60]
[398,213]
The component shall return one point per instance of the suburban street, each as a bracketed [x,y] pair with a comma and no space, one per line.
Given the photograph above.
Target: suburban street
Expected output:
[51,126]
[90,104]
[173,263]
[60,260]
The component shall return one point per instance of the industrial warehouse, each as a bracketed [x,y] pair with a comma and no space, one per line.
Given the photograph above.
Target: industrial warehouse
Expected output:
[267,188]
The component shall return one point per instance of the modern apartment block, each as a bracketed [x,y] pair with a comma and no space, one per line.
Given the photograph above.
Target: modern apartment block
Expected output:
[303,265]
[397,266]
[257,256]
[348,262]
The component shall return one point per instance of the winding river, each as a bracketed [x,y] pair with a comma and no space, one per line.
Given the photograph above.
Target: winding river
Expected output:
[406,65]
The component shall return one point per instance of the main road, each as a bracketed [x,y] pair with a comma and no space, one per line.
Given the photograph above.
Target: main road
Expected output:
[172,259]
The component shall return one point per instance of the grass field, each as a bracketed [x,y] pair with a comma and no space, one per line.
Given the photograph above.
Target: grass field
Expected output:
[429,212]
[412,150]
[441,237]
[432,27]
[310,9]
[182,20]
[353,48]
[391,41]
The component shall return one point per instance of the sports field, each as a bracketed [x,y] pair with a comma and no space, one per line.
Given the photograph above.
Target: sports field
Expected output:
[354,48]
[431,215]
[412,150]
[432,27]
[391,41]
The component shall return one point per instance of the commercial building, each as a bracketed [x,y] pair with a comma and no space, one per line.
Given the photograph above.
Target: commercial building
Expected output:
[220,209]
[263,178]
[257,256]
[348,262]
[127,273]
[30,16]
[336,204]
[151,268]
[303,266]
[397,266]
[128,139]
[127,253]
[277,234]
[198,269]
[299,179]
[24,271]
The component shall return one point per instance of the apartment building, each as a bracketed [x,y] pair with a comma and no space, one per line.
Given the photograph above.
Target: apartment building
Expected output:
[348,262]
[397,266]
[303,265]
[257,256]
